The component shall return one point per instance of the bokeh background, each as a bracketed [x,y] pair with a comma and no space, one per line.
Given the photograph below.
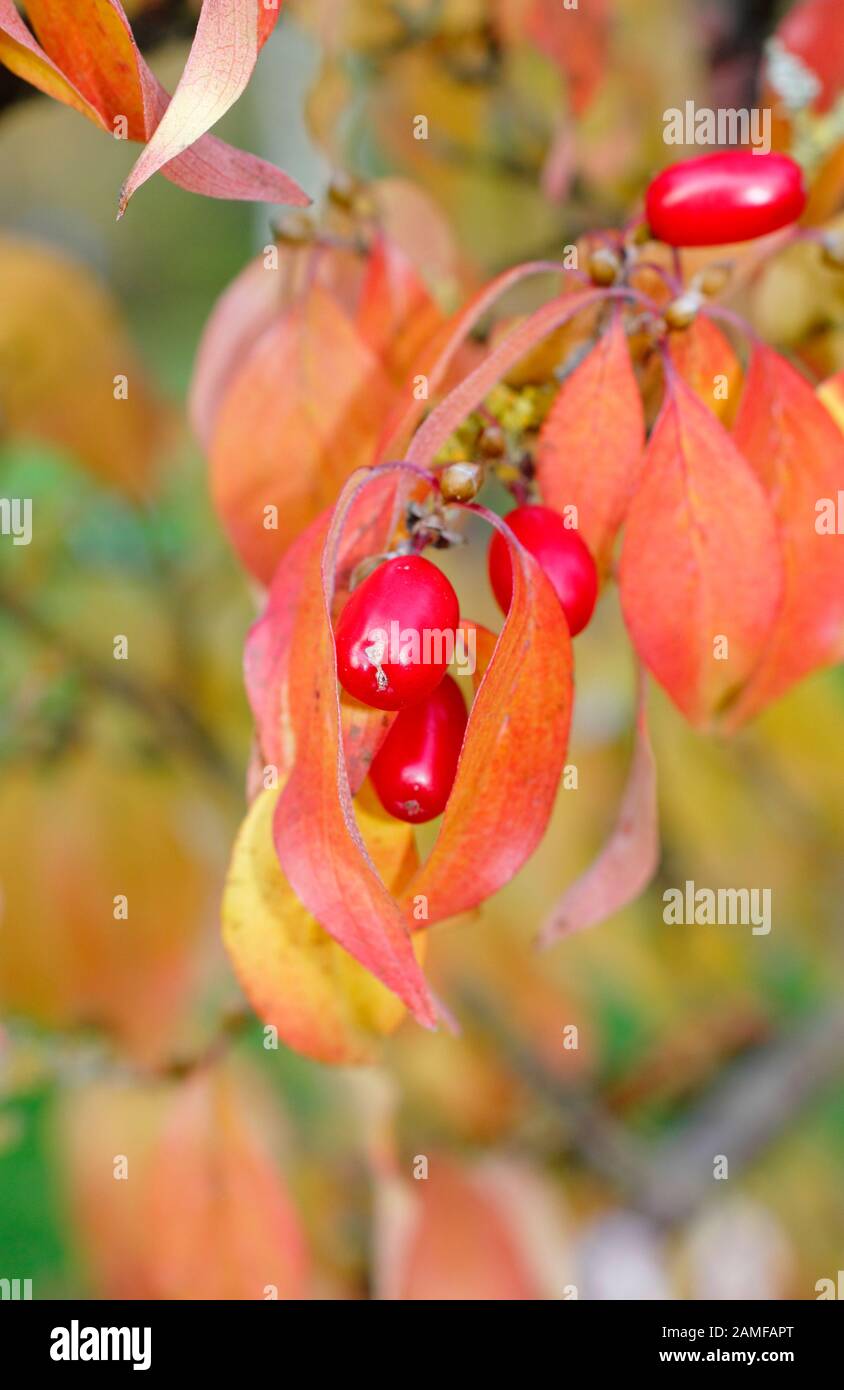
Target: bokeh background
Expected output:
[550,1166]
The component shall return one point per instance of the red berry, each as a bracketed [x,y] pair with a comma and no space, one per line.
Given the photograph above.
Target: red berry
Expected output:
[413,770]
[562,554]
[395,636]
[720,198]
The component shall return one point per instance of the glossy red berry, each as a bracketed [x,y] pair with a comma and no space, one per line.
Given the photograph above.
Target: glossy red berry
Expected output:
[413,770]
[562,554]
[719,198]
[395,636]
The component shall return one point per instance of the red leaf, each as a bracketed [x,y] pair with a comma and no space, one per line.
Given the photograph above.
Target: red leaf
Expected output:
[700,559]
[319,845]
[576,40]
[630,857]
[293,447]
[813,32]
[396,315]
[590,446]
[460,402]
[435,363]
[513,751]
[503,793]
[701,353]
[229,34]
[94,66]
[268,651]
[798,455]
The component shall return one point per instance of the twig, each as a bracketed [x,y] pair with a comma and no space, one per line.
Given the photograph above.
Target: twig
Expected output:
[669,1179]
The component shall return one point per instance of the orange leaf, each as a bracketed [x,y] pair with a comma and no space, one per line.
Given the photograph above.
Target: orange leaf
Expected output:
[513,751]
[95,48]
[71,838]
[92,63]
[701,573]
[576,40]
[798,455]
[219,1221]
[396,315]
[319,843]
[628,860]
[301,414]
[487,1233]
[229,34]
[590,446]
[701,353]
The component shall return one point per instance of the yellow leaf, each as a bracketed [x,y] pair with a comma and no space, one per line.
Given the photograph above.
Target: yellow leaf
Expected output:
[323,1003]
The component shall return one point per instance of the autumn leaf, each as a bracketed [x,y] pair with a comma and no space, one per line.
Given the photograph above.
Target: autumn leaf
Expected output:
[290,449]
[628,860]
[811,32]
[322,1002]
[91,63]
[513,751]
[503,792]
[488,1232]
[590,446]
[797,453]
[319,843]
[229,35]
[704,357]
[74,954]
[701,571]
[176,1190]
[442,353]
[396,315]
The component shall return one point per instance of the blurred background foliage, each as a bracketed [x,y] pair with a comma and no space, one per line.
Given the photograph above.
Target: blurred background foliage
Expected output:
[128,778]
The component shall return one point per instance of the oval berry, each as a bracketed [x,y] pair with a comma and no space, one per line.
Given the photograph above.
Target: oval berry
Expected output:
[413,770]
[719,198]
[560,552]
[395,636]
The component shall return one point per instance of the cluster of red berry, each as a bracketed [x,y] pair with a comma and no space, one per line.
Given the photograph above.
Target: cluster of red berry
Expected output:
[716,199]
[414,768]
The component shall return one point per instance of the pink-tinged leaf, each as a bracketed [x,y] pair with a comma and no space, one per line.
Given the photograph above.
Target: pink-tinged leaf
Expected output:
[242,313]
[250,305]
[299,416]
[812,32]
[319,844]
[466,397]
[576,39]
[492,1232]
[94,66]
[225,49]
[513,751]
[219,1221]
[439,358]
[268,650]
[396,316]
[701,571]
[590,447]
[798,455]
[630,857]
